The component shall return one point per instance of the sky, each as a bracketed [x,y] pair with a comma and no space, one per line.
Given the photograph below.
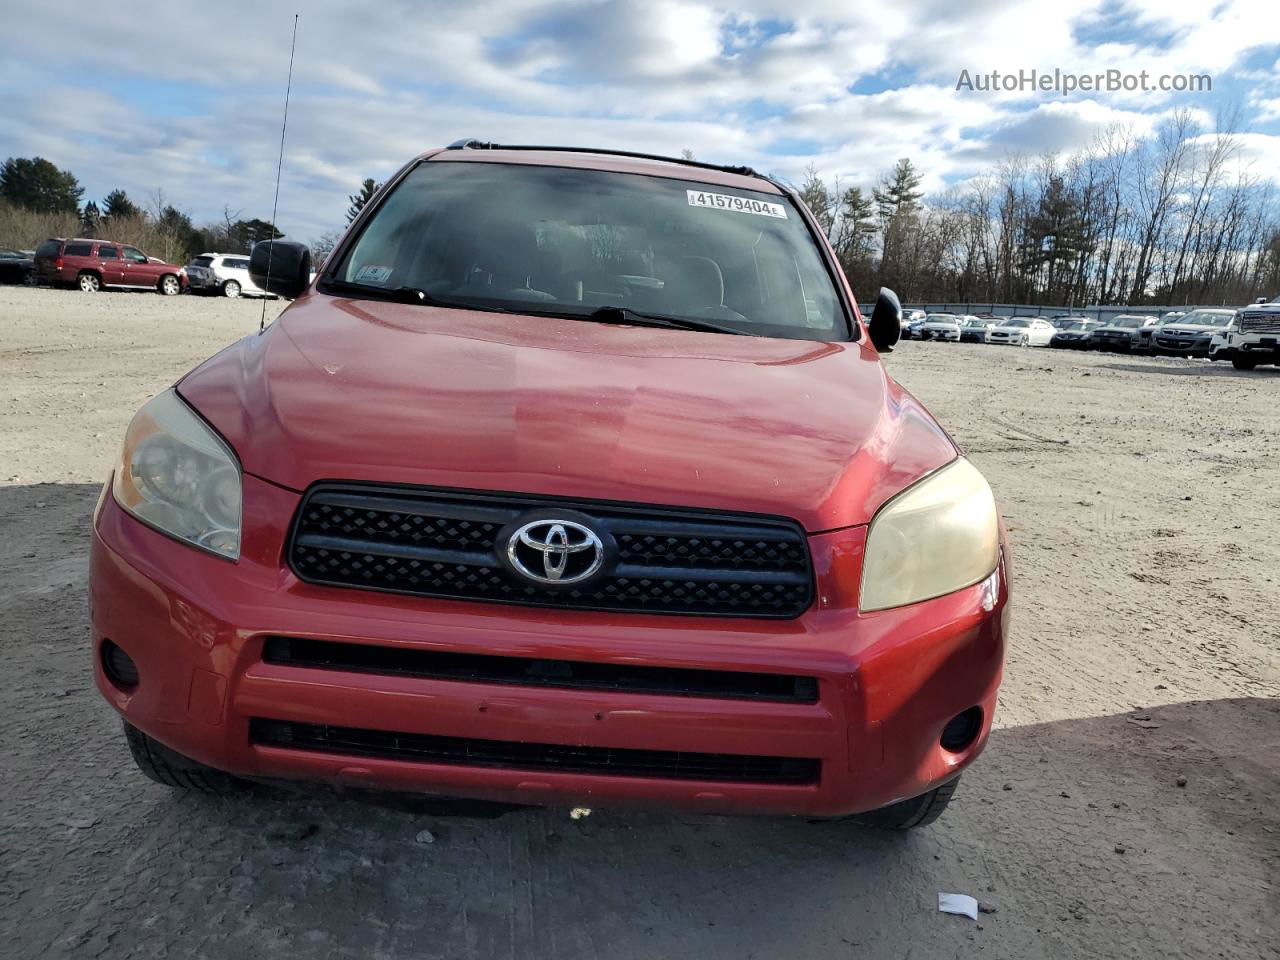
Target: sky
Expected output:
[188,99]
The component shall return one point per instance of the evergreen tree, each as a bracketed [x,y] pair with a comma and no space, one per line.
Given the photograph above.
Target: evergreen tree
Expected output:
[118,206]
[818,199]
[358,200]
[90,220]
[899,191]
[36,184]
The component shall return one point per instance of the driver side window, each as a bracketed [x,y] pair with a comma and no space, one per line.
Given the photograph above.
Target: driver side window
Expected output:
[134,254]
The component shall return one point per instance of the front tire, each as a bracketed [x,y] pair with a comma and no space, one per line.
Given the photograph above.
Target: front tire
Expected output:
[1024,341]
[169,285]
[172,769]
[231,289]
[1243,363]
[908,814]
[89,282]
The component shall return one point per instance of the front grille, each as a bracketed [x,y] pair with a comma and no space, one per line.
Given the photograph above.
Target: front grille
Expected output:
[446,544]
[531,672]
[470,752]
[1260,322]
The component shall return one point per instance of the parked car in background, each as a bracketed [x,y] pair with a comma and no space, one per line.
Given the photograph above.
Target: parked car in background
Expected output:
[916,325]
[1142,336]
[1220,344]
[1256,339]
[1118,333]
[1074,336]
[223,274]
[1022,332]
[92,265]
[1172,315]
[16,266]
[941,326]
[1063,321]
[974,329]
[1190,334]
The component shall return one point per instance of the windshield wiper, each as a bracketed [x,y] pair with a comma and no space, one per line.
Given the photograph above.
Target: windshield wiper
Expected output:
[413,295]
[627,316]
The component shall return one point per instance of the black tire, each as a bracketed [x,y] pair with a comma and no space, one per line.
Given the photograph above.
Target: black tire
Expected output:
[172,769]
[231,289]
[89,282]
[169,285]
[908,814]
[1243,363]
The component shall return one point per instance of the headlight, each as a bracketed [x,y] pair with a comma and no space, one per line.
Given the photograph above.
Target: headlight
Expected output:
[932,539]
[177,475]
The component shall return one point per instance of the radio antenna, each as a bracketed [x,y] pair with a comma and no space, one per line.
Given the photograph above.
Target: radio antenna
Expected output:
[275,206]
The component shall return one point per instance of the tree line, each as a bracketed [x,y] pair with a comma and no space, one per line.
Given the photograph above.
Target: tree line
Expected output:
[1174,217]
[38,200]
[1170,218]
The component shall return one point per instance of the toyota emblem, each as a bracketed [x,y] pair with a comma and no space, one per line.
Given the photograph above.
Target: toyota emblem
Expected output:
[555,551]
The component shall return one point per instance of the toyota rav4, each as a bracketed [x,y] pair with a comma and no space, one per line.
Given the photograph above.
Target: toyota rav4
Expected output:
[574,478]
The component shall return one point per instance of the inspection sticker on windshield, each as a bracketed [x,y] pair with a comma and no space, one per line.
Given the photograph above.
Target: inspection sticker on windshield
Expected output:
[372,273]
[722,201]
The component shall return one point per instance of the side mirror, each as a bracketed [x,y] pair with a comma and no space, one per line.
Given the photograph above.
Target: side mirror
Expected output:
[288,263]
[886,321]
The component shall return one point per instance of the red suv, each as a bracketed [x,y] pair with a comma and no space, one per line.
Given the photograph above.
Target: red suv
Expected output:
[575,477]
[94,264]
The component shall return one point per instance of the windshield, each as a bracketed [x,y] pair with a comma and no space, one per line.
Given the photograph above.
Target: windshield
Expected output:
[1204,318]
[1078,325]
[1016,323]
[942,318]
[565,241]
[1128,323]
[975,322]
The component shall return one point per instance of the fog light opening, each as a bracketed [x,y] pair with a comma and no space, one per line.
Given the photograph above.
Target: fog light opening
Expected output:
[119,666]
[961,730]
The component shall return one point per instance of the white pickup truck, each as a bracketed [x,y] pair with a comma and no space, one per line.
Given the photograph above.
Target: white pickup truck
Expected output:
[1252,338]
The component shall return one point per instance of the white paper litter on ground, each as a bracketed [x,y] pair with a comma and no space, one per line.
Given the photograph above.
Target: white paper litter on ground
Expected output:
[961,904]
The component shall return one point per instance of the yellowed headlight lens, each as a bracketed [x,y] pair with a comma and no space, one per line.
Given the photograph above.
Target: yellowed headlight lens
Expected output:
[932,539]
[177,475]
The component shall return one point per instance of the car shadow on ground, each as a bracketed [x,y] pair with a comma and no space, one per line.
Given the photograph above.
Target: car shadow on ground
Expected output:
[1090,836]
[1204,369]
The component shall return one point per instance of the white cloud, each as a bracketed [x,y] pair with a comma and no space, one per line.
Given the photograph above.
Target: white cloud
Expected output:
[153,103]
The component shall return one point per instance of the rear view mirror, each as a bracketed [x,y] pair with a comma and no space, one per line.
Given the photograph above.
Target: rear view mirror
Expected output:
[886,321]
[288,264]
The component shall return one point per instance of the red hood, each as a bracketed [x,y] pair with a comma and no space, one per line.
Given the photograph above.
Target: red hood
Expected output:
[341,389]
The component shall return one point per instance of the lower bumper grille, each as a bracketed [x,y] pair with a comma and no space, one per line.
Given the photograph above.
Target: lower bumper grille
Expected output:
[599,761]
[531,672]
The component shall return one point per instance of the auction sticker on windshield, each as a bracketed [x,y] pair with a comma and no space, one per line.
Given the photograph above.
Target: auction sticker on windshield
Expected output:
[722,201]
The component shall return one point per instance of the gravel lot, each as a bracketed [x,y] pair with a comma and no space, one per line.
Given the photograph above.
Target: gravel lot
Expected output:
[1126,805]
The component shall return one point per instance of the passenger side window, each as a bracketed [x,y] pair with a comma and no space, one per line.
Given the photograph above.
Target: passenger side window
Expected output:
[134,254]
[108,253]
[77,250]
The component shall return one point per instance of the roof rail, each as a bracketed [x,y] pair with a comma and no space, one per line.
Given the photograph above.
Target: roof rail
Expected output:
[468,143]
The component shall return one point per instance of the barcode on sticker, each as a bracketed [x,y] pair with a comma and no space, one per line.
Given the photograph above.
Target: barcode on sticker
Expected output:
[723,201]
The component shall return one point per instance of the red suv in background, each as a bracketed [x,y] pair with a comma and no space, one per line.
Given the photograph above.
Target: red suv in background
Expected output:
[94,264]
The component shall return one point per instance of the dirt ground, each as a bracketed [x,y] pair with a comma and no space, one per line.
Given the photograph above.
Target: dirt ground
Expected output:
[1126,806]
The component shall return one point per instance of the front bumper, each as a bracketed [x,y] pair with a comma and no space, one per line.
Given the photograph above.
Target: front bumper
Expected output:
[1187,346]
[195,625]
[1111,343]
